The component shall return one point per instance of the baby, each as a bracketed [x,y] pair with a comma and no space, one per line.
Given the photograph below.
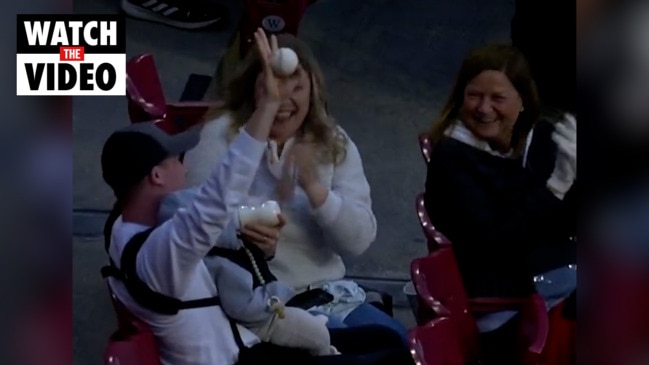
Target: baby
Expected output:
[249,292]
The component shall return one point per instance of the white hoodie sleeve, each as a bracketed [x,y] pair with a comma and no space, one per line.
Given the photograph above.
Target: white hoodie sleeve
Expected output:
[212,147]
[173,251]
[346,216]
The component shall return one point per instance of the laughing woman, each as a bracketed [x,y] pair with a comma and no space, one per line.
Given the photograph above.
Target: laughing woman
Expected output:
[501,186]
[315,171]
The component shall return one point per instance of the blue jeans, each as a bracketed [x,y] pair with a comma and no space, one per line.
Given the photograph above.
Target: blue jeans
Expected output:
[367,314]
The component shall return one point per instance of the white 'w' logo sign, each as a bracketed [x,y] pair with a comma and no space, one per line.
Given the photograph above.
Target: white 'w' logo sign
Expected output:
[273,23]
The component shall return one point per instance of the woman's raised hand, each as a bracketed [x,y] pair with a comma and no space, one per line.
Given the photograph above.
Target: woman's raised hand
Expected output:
[271,83]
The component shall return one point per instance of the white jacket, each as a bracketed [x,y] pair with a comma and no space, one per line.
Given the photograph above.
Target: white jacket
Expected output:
[171,262]
[311,244]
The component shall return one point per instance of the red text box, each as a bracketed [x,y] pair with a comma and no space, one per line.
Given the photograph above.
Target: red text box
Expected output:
[71,54]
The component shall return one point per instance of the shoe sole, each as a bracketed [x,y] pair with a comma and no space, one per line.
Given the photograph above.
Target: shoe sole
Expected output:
[143,14]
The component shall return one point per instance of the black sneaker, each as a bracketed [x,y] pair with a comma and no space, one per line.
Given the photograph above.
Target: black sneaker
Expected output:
[183,14]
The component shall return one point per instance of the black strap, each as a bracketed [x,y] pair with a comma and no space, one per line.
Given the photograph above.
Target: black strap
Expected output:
[140,291]
[115,212]
[111,271]
[236,334]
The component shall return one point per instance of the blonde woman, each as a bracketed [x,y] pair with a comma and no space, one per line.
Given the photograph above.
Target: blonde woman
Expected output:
[315,170]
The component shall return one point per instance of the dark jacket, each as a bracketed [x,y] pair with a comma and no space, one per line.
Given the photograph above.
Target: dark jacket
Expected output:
[504,224]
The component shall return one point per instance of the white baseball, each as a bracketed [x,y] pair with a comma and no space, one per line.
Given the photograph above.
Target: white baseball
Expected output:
[284,62]
[267,213]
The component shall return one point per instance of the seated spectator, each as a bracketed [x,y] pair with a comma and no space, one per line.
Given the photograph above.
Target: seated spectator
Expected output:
[158,270]
[315,170]
[501,184]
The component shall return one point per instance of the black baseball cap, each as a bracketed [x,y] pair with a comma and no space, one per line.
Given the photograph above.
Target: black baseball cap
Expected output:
[130,153]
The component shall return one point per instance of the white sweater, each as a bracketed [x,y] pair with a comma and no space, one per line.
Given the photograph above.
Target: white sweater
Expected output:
[311,244]
[171,263]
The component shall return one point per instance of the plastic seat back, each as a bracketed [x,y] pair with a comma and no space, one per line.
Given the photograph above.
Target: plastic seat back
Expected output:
[533,331]
[425,147]
[132,344]
[436,343]
[441,293]
[434,238]
[561,344]
[440,289]
[144,92]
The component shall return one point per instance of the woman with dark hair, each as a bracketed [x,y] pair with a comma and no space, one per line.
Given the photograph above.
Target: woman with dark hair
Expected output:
[500,184]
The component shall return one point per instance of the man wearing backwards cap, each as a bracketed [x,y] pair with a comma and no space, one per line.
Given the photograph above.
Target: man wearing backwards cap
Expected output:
[142,164]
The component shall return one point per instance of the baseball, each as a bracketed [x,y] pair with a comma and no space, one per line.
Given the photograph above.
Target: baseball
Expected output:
[267,213]
[284,62]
